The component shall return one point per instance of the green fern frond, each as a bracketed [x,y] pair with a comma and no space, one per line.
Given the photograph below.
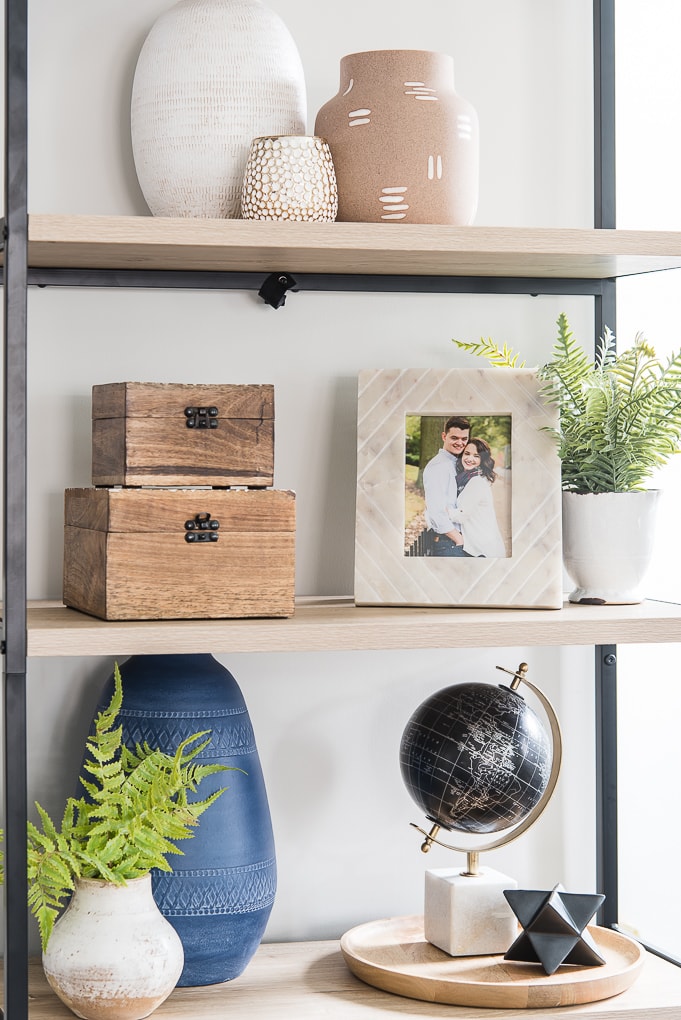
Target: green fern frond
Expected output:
[606,350]
[106,771]
[105,744]
[500,357]
[52,868]
[46,917]
[95,867]
[619,417]
[135,810]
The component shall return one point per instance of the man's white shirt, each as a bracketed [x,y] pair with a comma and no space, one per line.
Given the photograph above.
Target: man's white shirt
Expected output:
[439,483]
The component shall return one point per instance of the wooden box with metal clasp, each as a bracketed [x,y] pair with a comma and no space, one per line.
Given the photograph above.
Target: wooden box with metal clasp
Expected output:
[182,434]
[154,554]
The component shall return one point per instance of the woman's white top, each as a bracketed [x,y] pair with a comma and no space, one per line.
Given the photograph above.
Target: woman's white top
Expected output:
[475,513]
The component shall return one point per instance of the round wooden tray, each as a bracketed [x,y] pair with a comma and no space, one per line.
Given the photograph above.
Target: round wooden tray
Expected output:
[393,954]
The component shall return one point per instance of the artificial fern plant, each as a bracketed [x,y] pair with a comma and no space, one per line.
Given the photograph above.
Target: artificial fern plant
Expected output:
[135,808]
[619,416]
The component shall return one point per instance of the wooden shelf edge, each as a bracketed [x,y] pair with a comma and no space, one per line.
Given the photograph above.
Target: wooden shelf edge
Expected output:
[336,624]
[146,242]
[299,980]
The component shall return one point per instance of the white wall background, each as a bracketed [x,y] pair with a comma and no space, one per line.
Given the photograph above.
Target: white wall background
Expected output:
[328,726]
[649,702]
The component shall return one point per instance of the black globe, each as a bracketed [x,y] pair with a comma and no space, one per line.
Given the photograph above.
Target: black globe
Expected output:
[475,757]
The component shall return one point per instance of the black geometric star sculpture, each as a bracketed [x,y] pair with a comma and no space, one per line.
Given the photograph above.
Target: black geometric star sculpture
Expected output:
[554,924]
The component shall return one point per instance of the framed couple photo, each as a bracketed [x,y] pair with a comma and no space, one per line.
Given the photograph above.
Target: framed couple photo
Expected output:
[458,490]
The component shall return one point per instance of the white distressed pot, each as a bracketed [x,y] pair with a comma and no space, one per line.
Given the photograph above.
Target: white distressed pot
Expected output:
[211,76]
[607,544]
[112,955]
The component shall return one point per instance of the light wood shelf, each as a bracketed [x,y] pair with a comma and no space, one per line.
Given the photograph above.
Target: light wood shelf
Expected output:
[298,980]
[146,242]
[323,625]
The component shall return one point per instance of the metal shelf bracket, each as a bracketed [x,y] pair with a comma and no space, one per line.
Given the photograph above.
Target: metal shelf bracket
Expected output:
[275,288]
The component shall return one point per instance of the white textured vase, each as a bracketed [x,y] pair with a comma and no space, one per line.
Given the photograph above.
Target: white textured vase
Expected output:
[290,177]
[211,76]
[607,544]
[112,955]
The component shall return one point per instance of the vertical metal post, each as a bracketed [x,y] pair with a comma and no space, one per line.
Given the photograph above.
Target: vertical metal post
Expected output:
[14,502]
[604,114]
[605,314]
[606,781]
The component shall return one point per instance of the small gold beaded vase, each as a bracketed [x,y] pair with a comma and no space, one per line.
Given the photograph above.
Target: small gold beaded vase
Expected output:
[289,177]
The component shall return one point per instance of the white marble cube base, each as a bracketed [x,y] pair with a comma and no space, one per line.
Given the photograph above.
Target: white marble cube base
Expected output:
[469,915]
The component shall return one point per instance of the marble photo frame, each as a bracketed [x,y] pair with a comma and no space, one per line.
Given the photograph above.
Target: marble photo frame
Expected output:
[387,571]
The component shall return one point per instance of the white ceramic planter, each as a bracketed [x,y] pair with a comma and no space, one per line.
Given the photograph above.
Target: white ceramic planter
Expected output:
[607,544]
[211,76]
[112,954]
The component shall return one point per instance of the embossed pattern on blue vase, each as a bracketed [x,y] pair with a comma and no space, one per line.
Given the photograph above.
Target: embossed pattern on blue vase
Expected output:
[220,893]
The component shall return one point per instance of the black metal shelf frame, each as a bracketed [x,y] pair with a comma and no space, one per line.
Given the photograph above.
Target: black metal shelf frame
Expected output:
[17,277]
[14,501]
[605,217]
[155,279]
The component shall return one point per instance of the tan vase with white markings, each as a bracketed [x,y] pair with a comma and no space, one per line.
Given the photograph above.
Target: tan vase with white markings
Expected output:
[404,144]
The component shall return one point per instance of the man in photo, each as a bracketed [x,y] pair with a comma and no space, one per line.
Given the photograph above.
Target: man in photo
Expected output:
[440,487]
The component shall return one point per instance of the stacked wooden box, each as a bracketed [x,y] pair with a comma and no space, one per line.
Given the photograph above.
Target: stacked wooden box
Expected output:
[164,534]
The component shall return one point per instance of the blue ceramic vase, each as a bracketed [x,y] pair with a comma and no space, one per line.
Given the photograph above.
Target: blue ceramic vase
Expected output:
[220,893]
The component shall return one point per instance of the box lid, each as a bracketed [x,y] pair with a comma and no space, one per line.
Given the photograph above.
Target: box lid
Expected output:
[164,400]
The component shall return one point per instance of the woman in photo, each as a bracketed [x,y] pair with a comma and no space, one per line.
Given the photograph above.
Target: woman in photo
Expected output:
[474,509]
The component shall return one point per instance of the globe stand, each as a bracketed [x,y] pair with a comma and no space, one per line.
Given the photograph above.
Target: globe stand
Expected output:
[467,914]
[465,911]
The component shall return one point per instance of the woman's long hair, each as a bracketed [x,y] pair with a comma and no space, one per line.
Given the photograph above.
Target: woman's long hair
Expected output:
[486,458]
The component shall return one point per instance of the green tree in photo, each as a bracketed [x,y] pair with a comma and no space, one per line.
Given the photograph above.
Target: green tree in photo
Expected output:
[496,430]
[431,441]
[412,432]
